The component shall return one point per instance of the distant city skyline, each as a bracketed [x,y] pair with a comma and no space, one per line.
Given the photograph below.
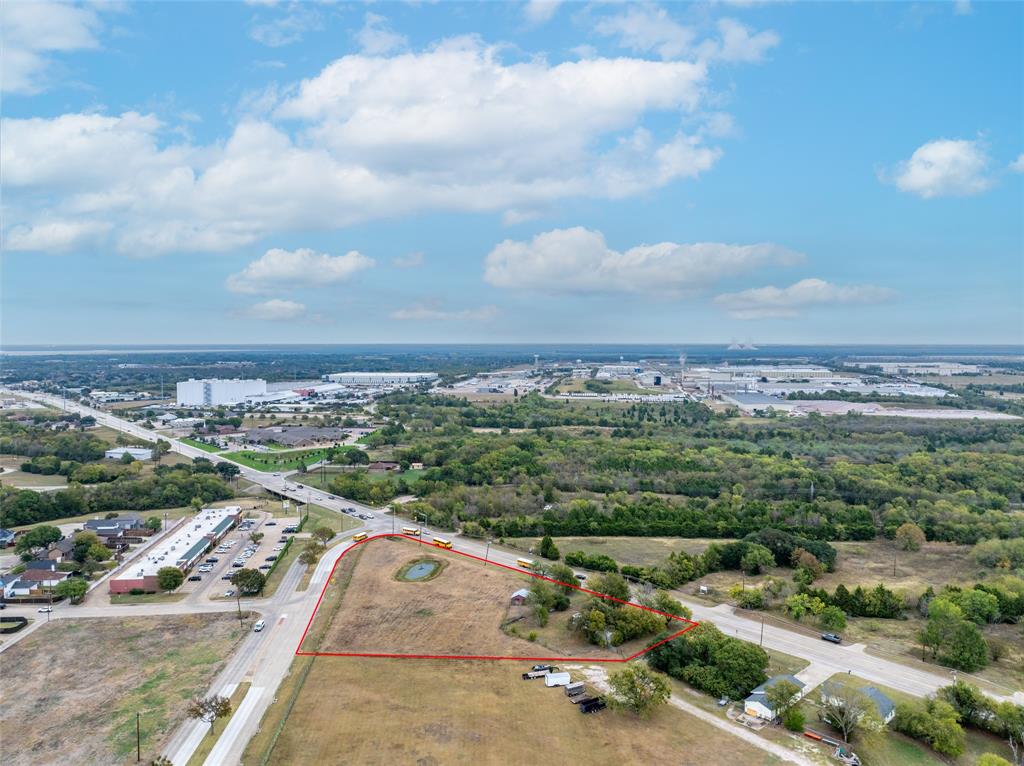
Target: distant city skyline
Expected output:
[239,173]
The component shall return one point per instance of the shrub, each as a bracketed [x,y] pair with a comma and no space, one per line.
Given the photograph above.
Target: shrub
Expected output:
[794,719]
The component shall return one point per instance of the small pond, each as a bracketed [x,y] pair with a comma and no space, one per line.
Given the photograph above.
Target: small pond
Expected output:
[420,570]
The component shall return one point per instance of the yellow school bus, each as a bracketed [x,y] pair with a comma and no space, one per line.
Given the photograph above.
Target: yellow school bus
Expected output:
[440,542]
[360,537]
[526,563]
[411,530]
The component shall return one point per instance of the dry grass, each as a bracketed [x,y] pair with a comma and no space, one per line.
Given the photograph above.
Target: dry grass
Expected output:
[461,611]
[353,711]
[639,551]
[458,612]
[936,564]
[72,688]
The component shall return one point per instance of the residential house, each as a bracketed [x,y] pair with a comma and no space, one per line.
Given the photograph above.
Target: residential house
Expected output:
[884,706]
[43,578]
[9,584]
[42,565]
[6,537]
[384,465]
[61,550]
[520,597]
[757,703]
[115,527]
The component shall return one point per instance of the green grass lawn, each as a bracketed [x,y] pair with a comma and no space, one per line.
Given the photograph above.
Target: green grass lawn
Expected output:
[276,460]
[322,479]
[200,445]
[145,598]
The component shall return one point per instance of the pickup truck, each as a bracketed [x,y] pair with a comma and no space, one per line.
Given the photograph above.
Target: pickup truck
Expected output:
[832,638]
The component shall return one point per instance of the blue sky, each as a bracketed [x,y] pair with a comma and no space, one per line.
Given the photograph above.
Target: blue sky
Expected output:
[602,172]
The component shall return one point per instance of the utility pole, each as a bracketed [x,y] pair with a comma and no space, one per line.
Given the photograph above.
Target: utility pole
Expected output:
[138,736]
[761,641]
[238,603]
[894,562]
[487,553]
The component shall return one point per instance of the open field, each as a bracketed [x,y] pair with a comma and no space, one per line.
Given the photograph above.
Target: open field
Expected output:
[200,445]
[283,460]
[936,564]
[80,683]
[460,611]
[352,711]
[962,381]
[892,749]
[640,551]
[579,386]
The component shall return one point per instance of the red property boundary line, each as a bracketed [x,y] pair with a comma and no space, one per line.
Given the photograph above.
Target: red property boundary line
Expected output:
[690,624]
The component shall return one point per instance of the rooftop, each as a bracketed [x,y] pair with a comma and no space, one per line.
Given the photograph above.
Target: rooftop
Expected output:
[170,550]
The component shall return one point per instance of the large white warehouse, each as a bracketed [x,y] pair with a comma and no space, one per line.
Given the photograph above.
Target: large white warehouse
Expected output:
[379,378]
[211,392]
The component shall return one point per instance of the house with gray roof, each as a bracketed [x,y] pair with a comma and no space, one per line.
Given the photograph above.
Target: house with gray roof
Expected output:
[885,707]
[757,703]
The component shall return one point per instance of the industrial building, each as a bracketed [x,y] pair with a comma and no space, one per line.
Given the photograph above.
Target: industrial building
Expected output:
[183,548]
[943,369]
[380,378]
[210,392]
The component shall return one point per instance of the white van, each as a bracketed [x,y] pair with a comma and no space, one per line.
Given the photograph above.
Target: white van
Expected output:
[259,625]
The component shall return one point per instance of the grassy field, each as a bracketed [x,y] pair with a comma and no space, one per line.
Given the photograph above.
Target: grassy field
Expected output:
[200,445]
[579,386]
[459,612]
[640,551]
[321,479]
[124,599]
[276,460]
[80,683]
[458,712]
[962,381]
[889,748]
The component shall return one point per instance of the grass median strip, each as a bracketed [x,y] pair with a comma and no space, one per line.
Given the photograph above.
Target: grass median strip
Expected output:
[206,746]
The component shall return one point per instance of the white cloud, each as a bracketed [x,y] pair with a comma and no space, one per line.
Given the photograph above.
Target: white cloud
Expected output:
[410,261]
[281,269]
[943,168]
[650,29]
[962,7]
[275,310]
[578,260]
[55,236]
[278,31]
[788,302]
[429,312]
[453,128]
[377,37]
[539,11]
[647,29]
[33,31]
[738,44]
[1017,166]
